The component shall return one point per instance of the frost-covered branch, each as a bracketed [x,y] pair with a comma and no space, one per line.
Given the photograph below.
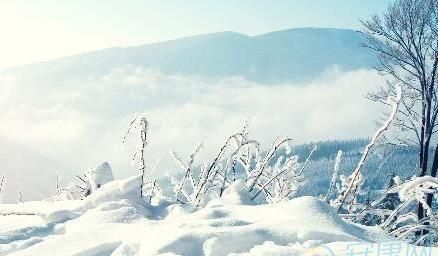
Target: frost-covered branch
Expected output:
[403,223]
[261,167]
[284,178]
[179,186]
[335,175]
[212,175]
[140,126]
[354,183]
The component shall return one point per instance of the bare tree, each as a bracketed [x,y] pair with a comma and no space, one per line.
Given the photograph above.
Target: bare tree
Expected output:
[405,39]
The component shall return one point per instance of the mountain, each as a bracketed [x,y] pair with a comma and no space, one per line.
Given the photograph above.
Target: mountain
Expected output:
[293,55]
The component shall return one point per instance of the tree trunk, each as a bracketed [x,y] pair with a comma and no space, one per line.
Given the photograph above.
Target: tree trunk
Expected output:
[424,144]
[433,173]
[423,168]
[423,171]
[429,199]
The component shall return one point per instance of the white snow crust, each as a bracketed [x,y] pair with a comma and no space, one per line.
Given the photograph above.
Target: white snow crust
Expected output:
[115,221]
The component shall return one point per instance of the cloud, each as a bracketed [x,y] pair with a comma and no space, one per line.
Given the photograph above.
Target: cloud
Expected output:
[81,122]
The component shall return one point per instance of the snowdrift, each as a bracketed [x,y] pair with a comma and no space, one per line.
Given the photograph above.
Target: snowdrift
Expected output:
[114,221]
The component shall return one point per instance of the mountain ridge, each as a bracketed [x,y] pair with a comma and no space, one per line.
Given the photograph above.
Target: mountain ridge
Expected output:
[283,56]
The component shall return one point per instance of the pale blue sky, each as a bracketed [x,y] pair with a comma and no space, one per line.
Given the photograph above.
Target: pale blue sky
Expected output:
[45,29]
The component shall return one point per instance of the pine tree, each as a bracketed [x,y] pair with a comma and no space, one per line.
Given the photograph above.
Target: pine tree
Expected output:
[391,199]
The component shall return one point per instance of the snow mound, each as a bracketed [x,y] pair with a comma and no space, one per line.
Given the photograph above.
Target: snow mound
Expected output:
[117,190]
[102,174]
[115,221]
[235,194]
[60,216]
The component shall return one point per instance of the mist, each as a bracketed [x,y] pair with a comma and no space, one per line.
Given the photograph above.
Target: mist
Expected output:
[65,121]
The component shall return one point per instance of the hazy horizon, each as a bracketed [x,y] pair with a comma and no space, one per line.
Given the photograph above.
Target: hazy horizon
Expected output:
[40,31]
[165,41]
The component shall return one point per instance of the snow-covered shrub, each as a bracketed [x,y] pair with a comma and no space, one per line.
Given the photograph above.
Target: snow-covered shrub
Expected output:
[342,189]
[101,174]
[280,180]
[93,178]
[88,182]
[403,222]
[213,177]
[276,174]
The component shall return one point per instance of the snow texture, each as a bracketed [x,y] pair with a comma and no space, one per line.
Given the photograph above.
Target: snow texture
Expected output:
[115,221]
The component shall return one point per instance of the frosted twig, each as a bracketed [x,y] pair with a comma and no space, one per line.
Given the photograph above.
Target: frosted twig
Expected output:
[352,188]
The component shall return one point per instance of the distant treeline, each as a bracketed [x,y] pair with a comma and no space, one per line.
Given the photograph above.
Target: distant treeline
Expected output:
[329,149]
[384,161]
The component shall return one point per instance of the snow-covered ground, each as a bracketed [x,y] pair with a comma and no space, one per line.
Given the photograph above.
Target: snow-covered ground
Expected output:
[113,221]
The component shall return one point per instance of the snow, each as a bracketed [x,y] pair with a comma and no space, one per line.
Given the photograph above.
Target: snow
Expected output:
[97,176]
[102,174]
[417,187]
[117,190]
[269,248]
[60,216]
[114,221]
[235,194]
[18,162]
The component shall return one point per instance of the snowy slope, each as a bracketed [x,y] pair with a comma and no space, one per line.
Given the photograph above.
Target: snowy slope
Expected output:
[112,221]
[278,57]
[18,163]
